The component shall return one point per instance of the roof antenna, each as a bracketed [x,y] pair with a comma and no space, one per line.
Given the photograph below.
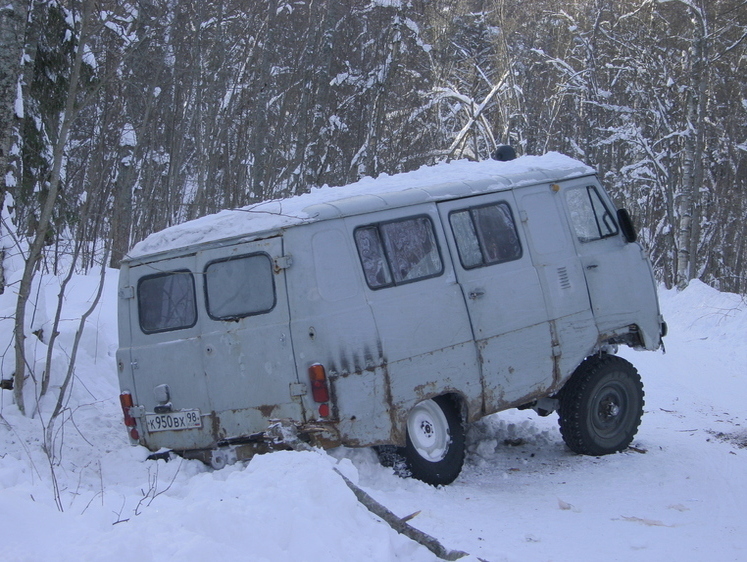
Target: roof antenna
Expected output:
[503,153]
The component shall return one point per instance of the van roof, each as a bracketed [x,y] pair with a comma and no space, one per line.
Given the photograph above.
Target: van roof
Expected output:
[428,183]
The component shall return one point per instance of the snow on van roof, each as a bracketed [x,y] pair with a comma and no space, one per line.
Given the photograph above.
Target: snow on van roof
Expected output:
[428,183]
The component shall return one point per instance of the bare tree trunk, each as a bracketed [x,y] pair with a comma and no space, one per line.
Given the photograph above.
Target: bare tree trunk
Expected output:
[258,137]
[61,397]
[121,222]
[692,169]
[37,243]
[12,25]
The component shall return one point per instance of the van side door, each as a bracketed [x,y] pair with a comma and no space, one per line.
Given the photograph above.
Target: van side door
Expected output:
[417,306]
[503,296]
[618,273]
[561,275]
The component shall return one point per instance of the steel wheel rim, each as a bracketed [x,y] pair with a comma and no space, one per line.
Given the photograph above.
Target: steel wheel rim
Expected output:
[611,410]
[429,431]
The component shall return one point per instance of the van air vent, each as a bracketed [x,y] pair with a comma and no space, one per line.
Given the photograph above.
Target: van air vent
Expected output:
[565,281]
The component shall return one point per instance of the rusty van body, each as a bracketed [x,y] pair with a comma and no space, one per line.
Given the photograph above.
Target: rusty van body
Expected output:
[389,313]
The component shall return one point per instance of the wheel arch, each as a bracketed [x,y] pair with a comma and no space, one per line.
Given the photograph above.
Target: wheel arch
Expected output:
[460,403]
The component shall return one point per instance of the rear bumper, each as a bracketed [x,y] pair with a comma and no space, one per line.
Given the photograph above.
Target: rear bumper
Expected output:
[281,435]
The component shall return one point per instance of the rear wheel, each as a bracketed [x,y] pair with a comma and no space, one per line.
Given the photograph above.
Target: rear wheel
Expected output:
[601,406]
[435,441]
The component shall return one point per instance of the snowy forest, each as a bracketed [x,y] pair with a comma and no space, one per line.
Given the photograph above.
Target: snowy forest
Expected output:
[120,118]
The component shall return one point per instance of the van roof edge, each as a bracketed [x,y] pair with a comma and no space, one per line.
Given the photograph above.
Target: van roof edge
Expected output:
[427,184]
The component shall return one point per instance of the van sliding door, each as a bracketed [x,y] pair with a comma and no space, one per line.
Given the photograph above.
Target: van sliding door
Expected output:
[420,316]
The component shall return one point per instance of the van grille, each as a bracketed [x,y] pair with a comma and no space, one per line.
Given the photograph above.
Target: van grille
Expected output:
[565,281]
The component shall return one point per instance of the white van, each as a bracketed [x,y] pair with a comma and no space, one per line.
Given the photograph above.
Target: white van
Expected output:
[390,313]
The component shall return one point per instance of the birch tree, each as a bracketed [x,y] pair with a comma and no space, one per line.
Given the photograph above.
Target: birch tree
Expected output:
[13,18]
[201,106]
[52,186]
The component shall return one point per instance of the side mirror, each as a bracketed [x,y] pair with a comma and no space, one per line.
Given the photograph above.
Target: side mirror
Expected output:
[626,225]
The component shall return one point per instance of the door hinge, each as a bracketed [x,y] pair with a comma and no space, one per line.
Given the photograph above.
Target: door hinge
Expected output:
[298,389]
[283,262]
[137,411]
[127,292]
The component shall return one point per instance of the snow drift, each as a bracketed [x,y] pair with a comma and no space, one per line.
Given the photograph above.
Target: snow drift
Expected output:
[678,494]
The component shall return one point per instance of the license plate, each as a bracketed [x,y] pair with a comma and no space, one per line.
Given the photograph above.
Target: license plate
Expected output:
[172,421]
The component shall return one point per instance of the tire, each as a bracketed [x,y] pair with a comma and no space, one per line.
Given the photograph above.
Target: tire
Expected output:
[601,406]
[435,442]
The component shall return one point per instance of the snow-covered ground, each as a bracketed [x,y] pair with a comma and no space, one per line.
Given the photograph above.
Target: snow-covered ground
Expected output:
[679,494]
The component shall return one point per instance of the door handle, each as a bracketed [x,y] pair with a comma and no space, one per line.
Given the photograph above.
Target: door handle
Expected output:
[592,266]
[476,294]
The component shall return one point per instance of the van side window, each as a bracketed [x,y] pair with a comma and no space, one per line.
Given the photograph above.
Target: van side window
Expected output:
[590,217]
[485,235]
[239,286]
[166,301]
[397,252]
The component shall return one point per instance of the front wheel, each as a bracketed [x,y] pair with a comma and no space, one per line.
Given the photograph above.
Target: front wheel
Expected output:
[435,441]
[601,406]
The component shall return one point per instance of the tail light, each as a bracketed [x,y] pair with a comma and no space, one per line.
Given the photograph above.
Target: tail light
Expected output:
[318,383]
[319,389]
[125,399]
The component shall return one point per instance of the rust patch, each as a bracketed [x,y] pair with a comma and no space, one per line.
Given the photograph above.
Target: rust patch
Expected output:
[425,391]
[215,428]
[393,418]
[369,358]
[356,362]
[333,397]
[555,342]
[267,410]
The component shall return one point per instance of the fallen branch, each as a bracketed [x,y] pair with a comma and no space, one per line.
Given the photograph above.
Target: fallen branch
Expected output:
[400,524]
[285,432]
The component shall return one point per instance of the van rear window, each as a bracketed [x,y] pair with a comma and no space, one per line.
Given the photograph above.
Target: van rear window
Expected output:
[398,252]
[239,286]
[166,301]
[485,235]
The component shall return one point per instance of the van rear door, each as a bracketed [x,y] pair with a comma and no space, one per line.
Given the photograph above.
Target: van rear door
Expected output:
[211,337]
[166,354]
[246,339]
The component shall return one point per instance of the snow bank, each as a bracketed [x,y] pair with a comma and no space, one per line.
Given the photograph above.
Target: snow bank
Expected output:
[284,506]
[522,495]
